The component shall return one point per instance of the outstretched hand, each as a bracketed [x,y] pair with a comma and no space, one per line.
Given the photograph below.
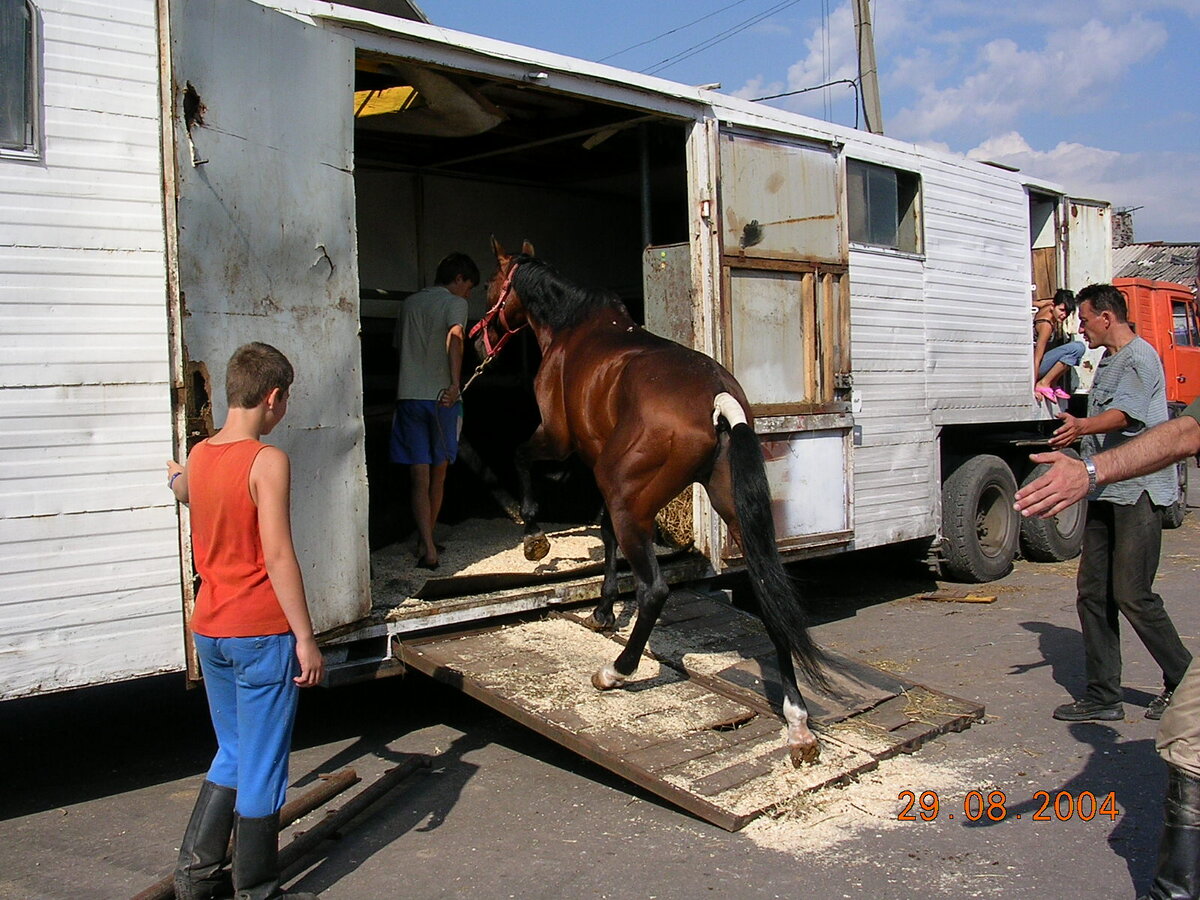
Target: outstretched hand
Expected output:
[1065,483]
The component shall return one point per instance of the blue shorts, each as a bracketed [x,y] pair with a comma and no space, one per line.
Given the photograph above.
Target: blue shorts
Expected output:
[425,433]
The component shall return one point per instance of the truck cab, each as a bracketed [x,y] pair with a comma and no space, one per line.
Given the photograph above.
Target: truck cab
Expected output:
[1165,315]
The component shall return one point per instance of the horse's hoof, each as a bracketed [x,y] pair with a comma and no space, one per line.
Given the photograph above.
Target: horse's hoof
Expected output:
[536,547]
[607,678]
[804,753]
[596,623]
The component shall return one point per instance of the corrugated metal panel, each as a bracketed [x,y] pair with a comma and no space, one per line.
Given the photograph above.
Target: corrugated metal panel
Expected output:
[89,575]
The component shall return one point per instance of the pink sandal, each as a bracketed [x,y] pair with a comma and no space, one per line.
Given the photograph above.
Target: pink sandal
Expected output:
[1044,392]
[1061,394]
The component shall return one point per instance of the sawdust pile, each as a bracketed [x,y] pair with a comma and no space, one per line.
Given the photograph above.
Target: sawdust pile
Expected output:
[824,819]
[481,547]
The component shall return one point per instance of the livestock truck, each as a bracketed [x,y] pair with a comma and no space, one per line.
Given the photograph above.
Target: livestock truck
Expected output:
[188,175]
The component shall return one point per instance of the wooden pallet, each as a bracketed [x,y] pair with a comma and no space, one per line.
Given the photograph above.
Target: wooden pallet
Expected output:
[699,723]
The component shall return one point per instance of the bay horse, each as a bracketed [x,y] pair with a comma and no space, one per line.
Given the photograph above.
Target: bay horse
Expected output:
[649,417]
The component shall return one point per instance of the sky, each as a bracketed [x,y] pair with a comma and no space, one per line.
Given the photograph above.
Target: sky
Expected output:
[1100,96]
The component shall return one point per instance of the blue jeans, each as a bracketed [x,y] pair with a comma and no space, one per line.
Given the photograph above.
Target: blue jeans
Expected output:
[1071,354]
[252,701]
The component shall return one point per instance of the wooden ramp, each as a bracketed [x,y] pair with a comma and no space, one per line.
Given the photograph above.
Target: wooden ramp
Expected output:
[699,724]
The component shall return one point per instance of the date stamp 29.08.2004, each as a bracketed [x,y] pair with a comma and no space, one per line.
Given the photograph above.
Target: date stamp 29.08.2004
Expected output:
[1047,806]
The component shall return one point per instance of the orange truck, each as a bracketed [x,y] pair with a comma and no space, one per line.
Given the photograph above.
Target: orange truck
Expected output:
[1165,314]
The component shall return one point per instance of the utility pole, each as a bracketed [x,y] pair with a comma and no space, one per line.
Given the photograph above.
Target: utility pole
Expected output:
[868,74]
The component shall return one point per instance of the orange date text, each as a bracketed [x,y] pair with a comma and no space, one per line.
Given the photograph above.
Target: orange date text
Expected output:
[1047,806]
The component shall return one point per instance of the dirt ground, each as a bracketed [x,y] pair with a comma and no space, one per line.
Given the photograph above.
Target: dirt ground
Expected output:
[97,785]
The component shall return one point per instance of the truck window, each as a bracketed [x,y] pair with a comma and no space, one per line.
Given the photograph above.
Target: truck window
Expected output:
[884,206]
[17,76]
[1184,324]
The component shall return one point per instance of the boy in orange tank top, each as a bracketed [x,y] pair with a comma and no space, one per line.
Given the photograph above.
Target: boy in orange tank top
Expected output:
[252,631]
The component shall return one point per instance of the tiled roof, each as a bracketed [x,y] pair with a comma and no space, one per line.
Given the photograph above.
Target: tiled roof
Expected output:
[1158,262]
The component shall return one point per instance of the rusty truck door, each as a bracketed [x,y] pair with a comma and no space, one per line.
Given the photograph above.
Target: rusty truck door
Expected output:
[260,209]
[783,324]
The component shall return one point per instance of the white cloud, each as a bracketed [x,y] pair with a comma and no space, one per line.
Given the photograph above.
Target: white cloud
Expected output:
[1075,68]
[1160,183]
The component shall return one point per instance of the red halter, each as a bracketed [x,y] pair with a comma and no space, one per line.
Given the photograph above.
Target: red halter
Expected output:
[497,311]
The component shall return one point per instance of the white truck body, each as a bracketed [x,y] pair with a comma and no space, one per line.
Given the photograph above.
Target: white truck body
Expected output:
[201,179]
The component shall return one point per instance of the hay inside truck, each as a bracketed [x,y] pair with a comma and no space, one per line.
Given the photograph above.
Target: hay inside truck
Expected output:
[229,171]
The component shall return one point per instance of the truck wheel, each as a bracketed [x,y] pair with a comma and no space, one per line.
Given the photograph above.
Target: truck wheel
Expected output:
[1053,540]
[1172,515]
[979,525]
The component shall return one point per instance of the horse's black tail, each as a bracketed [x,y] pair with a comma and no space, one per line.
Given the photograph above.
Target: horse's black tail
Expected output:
[777,596]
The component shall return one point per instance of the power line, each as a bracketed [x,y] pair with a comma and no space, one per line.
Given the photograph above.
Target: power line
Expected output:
[672,31]
[716,39]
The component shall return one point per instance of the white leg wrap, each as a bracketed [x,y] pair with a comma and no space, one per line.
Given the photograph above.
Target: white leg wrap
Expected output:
[725,404]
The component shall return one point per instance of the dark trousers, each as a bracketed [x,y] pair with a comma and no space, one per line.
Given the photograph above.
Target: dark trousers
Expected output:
[1121,547]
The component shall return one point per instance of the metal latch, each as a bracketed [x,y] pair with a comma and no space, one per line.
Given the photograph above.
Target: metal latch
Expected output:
[843,381]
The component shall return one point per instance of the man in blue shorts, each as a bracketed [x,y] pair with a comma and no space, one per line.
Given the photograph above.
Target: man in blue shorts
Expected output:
[429,337]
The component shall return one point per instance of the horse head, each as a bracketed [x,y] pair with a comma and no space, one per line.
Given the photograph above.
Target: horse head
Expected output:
[506,315]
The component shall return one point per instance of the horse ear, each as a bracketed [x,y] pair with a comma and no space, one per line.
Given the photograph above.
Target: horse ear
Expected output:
[498,249]
[527,248]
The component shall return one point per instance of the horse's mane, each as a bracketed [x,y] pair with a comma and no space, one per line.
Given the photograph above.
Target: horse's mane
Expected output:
[555,301]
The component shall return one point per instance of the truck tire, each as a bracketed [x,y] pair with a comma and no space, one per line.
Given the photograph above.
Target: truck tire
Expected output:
[980,528]
[1053,540]
[1172,516]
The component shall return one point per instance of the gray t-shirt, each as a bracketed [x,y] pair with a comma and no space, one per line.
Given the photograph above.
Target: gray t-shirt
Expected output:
[425,319]
[1132,381]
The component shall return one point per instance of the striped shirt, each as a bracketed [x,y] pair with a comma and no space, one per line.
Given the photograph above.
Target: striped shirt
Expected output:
[1132,381]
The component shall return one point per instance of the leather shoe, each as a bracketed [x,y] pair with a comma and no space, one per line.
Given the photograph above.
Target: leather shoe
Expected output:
[1158,706]
[1086,710]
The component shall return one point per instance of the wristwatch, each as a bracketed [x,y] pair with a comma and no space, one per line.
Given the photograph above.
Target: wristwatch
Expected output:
[1091,470]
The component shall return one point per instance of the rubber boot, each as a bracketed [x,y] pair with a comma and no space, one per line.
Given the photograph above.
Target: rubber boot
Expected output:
[1178,873]
[199,874]
[256,860]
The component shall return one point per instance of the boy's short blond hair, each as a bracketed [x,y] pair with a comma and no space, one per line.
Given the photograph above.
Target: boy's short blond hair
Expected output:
[254,370]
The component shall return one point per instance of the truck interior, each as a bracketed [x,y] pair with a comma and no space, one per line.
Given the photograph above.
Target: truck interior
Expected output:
[443,161]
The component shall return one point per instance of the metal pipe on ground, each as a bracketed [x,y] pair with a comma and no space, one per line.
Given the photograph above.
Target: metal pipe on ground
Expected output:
[337,819]
[318,796]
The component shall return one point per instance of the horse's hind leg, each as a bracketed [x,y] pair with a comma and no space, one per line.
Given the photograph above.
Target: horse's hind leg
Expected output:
[802,743]
[652,591]
[602,618]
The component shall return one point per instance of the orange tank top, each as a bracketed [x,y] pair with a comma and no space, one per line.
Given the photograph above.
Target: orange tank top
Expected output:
[236,598]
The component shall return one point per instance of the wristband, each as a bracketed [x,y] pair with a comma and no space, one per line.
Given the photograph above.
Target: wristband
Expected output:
[1091,473]
[171,480]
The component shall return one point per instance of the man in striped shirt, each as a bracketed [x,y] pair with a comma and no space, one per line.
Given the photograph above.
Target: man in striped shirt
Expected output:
[1123,533]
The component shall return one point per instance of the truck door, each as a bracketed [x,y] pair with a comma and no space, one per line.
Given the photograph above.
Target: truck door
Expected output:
[260,207]
[1088,237]
[783,324]
[1183,364]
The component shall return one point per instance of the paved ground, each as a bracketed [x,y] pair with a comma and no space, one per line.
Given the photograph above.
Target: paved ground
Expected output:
[97,785]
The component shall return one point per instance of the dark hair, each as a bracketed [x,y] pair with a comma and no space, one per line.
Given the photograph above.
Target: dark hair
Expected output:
[456,264]
[1065,299]
[254,370]
[1104,298]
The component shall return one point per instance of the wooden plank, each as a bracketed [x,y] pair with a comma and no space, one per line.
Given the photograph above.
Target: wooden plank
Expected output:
[702,736]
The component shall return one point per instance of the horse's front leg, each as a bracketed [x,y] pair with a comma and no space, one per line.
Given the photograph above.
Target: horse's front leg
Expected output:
[602,618]
[652,591]
[538,447]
